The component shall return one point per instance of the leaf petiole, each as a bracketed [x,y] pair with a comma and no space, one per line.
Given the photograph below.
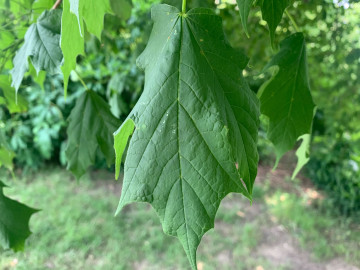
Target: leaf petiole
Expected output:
[292,21]
[81,80]
[184,7]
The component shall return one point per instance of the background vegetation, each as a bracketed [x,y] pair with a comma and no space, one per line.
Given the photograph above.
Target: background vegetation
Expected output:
[37,135]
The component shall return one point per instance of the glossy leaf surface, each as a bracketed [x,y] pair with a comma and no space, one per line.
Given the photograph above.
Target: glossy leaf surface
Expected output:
[195,122]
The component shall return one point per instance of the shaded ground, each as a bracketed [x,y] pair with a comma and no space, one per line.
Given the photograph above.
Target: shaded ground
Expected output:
[281,230]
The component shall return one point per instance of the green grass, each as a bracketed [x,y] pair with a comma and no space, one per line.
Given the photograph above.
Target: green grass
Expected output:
[76,229]
[316,229]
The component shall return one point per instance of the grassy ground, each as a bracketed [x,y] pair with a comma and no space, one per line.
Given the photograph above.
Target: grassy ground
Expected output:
[76,229]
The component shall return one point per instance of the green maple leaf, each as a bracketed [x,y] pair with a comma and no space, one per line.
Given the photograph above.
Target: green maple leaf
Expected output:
[286,98]
[72,40]
[272,12]
[91,126]
[196,119]
[92,12]
[75,13]
[14,222]
[244,9]
[41,45]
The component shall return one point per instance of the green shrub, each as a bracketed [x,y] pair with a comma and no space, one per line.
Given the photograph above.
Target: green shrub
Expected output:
[39,135]
[335,168]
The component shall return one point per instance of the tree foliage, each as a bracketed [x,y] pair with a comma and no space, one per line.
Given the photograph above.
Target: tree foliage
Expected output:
[14,218]
[192,136]
[286,98]
[91,126]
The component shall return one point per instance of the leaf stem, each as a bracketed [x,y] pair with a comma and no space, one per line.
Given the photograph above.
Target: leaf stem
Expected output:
[184,7]
[81,80]
[292,21]
[57,3]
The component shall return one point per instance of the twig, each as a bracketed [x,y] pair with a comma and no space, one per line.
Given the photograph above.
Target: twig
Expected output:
[57,3]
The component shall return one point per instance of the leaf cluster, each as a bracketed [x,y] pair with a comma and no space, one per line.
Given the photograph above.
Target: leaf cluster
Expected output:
[192,136]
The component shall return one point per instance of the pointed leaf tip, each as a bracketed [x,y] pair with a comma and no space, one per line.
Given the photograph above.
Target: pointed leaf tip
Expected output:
[244,10]
[14,220]
[272,12]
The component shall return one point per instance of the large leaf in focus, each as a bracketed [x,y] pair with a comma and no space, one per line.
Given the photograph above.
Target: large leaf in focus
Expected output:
[196,119]
[42,45]
[14,222]
[91,126]
[244,9]
[272,12]
[72,40]
[286,98]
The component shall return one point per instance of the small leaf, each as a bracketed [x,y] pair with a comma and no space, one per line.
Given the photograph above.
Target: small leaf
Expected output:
[6,158]
[121,137]
[10,96]
[38,77]
[244,9]
[196,119]
[122,8]
[92,12]
[41,5]
[272,12]
[302,154]
[91,126]
[286,98]
[14,222]
[41,44]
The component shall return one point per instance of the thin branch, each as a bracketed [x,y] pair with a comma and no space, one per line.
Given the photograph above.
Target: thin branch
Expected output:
[57,3]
